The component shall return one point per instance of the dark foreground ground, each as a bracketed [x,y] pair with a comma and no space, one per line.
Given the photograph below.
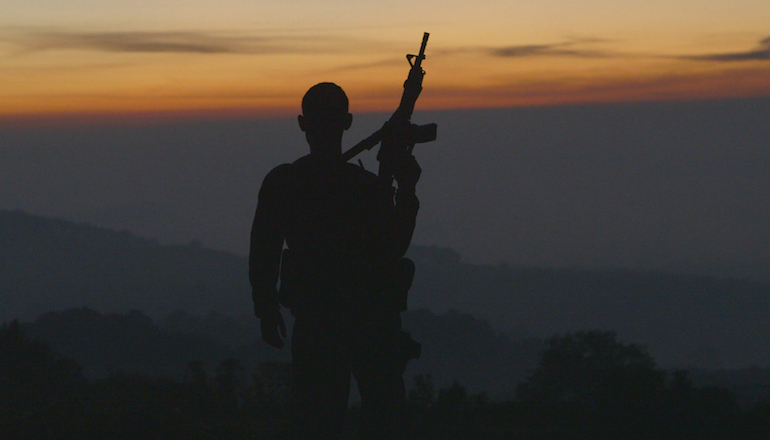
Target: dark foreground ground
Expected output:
[586,386]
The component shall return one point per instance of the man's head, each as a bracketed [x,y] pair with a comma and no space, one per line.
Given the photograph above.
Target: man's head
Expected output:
[324,117]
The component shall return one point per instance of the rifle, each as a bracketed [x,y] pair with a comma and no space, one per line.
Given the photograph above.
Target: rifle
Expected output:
[398,136]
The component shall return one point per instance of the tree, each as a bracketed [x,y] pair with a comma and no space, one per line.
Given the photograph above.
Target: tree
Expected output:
[424,393]
[37,387]
[588,382]
[594,370]
[229,380]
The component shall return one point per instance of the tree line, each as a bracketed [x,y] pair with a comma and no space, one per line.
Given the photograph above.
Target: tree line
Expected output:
[586,385]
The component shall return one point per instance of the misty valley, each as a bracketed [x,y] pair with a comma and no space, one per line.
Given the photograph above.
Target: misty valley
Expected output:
[109,335]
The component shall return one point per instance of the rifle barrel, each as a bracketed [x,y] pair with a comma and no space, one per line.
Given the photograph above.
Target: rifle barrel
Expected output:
[424,44]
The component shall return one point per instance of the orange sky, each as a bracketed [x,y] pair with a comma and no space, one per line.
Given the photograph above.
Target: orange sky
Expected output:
[96,61]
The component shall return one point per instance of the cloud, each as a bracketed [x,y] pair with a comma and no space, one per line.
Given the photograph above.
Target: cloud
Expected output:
[761,53]
[375,64]
[575,48]
[148,42]
[558,49]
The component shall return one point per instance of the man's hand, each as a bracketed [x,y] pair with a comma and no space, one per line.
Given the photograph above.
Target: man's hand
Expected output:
[407,172]
[273,328]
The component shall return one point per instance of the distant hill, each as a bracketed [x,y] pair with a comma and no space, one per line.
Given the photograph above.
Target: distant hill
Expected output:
[686,321]
[105,343]
[456,346]
[49,264]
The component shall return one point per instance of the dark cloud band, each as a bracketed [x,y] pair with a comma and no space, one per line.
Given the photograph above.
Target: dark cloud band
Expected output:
[560,49]
[147,42]
[761,53]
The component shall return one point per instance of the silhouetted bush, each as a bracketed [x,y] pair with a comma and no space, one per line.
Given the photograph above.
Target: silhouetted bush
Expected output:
[39,391]
[588,385]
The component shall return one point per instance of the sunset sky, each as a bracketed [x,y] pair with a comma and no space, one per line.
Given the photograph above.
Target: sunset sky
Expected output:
[257,57]
[571,134]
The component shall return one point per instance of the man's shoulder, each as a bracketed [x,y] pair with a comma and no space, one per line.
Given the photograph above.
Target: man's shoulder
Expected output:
[278,180]
[325,169]
[359,172]
[282,172]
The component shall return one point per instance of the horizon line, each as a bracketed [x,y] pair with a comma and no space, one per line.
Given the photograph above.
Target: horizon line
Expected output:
[108,118]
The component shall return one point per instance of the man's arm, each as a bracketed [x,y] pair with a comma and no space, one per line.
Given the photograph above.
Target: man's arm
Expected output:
[265,257]
[407,173]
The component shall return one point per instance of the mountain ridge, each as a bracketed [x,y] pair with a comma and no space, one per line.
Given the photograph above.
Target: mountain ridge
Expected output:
[685,320]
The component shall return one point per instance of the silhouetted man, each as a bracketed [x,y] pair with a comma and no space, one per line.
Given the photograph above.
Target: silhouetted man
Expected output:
[346,232]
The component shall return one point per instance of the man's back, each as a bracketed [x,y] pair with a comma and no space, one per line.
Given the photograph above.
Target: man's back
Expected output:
[345,231]
[337,211]
[341,229]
